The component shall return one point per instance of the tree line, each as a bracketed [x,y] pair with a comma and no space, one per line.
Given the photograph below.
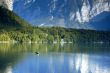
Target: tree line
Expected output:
[52,34]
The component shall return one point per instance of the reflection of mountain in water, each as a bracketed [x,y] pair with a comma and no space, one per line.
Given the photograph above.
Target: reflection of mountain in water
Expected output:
[91,63]
[12,54]
[64,63]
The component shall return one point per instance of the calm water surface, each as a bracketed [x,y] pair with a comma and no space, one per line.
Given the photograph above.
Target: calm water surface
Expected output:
[55,58]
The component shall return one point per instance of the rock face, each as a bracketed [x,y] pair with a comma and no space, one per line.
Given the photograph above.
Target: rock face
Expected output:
[7,4]
[91,8]
[67,13]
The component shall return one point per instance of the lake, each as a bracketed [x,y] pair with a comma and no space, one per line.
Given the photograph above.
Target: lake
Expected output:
[55,58]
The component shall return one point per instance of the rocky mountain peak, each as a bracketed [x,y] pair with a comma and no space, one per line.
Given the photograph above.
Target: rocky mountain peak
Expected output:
[7,4]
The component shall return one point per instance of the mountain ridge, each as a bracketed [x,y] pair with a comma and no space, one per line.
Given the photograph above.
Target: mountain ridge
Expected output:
[10,19]
[66,13]
[103,21]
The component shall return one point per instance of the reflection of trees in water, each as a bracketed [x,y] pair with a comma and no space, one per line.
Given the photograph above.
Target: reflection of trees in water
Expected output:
[94,48]
[8,56]
[45,48]
[67,48]
[12,53]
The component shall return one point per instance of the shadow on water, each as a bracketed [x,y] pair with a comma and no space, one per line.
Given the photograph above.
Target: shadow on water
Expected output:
[12,54]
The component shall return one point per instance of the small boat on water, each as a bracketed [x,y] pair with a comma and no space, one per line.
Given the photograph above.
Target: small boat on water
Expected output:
[36,52]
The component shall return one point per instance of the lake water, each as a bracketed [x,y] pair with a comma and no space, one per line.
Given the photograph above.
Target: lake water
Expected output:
[55,58]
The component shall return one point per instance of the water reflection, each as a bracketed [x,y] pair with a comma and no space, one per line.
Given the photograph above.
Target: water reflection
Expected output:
[54,58]
[8,69]
[56,63]
[92,64]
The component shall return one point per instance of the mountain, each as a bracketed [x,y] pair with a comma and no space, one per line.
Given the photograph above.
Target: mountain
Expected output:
[101,21]
[7,4]
[66,13]
[10,19]
[12,27]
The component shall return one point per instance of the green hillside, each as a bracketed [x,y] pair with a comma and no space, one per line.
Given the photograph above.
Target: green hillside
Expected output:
[12,27]
[10,19]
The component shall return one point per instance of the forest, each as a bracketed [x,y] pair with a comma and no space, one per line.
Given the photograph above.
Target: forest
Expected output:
[53,35]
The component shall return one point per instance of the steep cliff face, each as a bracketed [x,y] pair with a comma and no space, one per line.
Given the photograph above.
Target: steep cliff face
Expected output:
[68,13]
[91,8]
[7,4]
